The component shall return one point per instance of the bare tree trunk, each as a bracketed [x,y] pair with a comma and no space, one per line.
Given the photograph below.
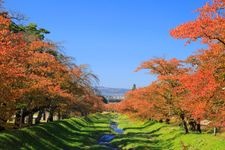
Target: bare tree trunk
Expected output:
[185,127]
[38,119]
[64,115]
[184,123]
[198,125]
[214,131]
[44,115]
[30,119]
[19,118]
[192,124]
[51,113]
[167,121]
[22,118]
[59,114]
[82,113]
[2,124]
[2,128]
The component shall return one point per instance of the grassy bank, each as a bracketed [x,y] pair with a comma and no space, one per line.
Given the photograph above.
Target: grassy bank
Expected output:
[83,133]
[159,136]
[74,133]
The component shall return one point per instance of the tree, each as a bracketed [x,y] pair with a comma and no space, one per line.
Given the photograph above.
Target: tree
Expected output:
[167,88]
[13,56]
[192,89]
[134,87]
[209,27]
[36,77]
[161,99]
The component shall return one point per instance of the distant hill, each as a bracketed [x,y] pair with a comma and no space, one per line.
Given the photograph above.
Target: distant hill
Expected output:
[106,91]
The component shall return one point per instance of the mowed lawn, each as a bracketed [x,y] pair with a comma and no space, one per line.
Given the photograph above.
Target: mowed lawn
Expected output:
[83,133]
[151,135]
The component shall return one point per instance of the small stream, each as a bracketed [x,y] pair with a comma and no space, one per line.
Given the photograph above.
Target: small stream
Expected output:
[106,138]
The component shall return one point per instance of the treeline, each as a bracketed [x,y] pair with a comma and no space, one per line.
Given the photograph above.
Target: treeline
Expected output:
[36,77]
[191,89]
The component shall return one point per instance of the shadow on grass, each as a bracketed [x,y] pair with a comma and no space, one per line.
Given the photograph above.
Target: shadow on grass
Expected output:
[145,125]
[145,137]
[75,133]
[84,133]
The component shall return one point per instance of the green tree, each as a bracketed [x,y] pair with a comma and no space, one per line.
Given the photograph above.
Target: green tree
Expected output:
[134,87]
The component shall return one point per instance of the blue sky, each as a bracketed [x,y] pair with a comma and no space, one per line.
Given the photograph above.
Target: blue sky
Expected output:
[113,36]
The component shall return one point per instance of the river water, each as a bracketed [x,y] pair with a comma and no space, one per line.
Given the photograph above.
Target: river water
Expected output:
[106,138]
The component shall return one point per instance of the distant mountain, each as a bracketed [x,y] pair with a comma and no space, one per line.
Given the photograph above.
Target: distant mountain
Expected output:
[106,91]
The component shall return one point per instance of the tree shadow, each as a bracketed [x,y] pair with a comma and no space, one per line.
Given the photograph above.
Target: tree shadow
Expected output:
[68,134]
[145,125]
[148,136]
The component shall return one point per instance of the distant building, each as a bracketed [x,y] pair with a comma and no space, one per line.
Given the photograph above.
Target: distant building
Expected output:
[111,95]
[114,99]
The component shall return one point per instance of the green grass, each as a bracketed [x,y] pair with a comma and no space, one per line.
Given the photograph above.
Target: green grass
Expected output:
[74,133]
[158,136]
[83,133]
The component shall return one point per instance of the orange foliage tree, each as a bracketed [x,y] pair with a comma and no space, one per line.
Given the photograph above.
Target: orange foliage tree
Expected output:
[13,56]
[206,84]
[192,89]
[36,77]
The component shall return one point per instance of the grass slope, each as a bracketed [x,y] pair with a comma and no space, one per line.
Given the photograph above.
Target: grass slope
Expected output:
[74,133]
[159,136]
[83,133]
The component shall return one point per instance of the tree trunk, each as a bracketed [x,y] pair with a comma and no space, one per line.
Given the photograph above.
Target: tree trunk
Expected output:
[185,126]
[22,117]
[51,113]
[82,113]
[214,131]
[30,119]
[2,128]
[198,125]
[184,123]
[59,115]
[64,115]
[38,119]
[44,115]
[192,124]
[19,118]
[167,121]
[2,124]
[199,128]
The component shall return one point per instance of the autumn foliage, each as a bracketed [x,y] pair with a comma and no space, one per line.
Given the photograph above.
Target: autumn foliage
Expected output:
[191,89]
[36,77]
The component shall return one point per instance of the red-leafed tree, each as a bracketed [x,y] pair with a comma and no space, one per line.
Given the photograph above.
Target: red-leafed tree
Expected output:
[193,89]
[160,100]
[13,56]
[36,77]
[168,90]
[206,83]
[136,104]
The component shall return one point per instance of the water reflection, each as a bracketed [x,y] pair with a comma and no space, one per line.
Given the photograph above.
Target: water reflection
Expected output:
[105,139]
[114,127]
